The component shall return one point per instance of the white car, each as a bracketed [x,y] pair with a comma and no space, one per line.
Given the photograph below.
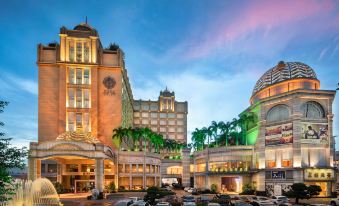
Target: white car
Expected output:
[277,200]
[135,199]
[163,204]
[262,200]
[186,188]
[189,204]
[213,204]
[190,190]
[140,203]
[334,201]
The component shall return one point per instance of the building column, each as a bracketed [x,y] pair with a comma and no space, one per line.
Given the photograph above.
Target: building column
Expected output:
[130,182]
[185,162]
[34,168]
[99,174]
[59,172]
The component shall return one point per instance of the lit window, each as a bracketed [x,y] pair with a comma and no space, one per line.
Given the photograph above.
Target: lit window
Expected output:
[71,51]
[70,97]
[86,52]
[86,98]
[79,120]
[79,98]
[86,76]
[286,163]
[79,52]
[86,125]
[79,76]
[271,164]
[70,121]
[71,76]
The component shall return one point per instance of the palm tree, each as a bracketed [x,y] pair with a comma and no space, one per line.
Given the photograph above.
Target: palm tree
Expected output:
[198,139]
[225,131]
[119,134]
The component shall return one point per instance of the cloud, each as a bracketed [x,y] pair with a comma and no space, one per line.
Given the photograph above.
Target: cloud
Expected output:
[16,83]
[273,22]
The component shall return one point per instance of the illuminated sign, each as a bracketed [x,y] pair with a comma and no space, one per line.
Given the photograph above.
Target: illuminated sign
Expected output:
[279,134]
[278,174]
[319,174]
[314,133]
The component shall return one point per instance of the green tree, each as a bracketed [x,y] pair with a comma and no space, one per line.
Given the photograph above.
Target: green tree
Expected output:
[313,190]
[10,157]
[298,191]
[214,188]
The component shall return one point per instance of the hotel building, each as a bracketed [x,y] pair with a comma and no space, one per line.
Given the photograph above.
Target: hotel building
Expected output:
[84,93]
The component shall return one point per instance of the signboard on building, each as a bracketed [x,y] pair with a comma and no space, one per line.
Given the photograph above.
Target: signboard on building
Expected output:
[314,133]
[319,174]
[279,134]
[278,174]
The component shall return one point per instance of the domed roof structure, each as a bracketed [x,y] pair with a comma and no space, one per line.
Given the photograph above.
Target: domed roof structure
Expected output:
[83,27]
[284,71]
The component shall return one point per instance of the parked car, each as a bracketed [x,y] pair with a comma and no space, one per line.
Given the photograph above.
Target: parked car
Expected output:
[223,199]
[140,203]
[204,198]
[168,188]
[240,203]
[334,201]
[190,190]
[127,202]
[186,189]
[277,200]
[188,198]
[245,199]
[163,204]
[213,204]
[189,204]
[258,200]
[134,199]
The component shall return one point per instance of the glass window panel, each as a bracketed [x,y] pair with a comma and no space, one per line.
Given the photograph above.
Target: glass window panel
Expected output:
[71,75]
[72,168]
[71,97]
[144,121]
[86,122]
[79,52]
[154,107]
[180,122]
[163,115]
[171,122]
[154,122]
[127,168]
[71,51]
[162,122]
[79,76]
[144,114]
[86,98]
[71,121]
[79,98]
[180,116]
[86,76]
[79,120]
[86,52]
[145,107]
[171,115]
[136,114]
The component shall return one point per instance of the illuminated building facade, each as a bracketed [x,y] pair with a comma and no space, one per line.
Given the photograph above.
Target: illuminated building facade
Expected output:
[291,141]
[165,116]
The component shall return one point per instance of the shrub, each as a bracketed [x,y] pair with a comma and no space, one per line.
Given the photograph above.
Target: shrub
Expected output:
[214,188]
[111,187]
[247,189]
[59,188]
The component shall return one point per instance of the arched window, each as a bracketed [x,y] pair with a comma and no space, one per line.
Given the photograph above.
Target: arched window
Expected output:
[312,110]
[278,113]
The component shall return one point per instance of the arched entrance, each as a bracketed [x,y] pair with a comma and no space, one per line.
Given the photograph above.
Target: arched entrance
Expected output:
[80,165]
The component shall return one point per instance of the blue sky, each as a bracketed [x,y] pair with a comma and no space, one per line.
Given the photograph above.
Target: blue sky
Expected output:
[210,53]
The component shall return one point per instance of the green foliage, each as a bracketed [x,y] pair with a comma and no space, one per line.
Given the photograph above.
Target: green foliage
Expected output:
[248,189]
[214,188]
[10,157]
[301,191]
[111,187]
[113,47]
[224,134]
[313,190]
[153,193]
[59,188]
[137,139]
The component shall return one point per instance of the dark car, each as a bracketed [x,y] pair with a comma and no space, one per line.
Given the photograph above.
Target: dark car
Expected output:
[222,199]
[188,198]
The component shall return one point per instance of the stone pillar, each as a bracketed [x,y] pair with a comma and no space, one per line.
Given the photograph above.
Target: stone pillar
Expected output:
[59,172]
[62,47]
[185,162]
[34,168]
[99,174]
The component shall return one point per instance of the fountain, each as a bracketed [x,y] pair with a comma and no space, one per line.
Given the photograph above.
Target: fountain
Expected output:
[39,192]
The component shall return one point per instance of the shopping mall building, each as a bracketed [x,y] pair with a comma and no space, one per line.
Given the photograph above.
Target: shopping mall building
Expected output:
[84,93]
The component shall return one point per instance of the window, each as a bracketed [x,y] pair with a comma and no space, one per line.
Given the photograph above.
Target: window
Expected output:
[145,121]
[86,125]
[136,121]
[43,168]
[286,163]
[180,122]
[154,115]
[86,52]
[72,168]
[171,115]
[180,129]
[52,168]
[136,114]
[145,107]
[154,122]
[86,76]
[163,115]
[154,129]
[71,97]
[180,116]
[312,110]
[134,168]
[271,164]
[144,114]
[171,129]
[86,98]
[162,129]
[120,168]
[71,51]
[87,168]
[140,168]
[70,121]
[79,120]
[278,113]
[154,107]
[171,122]
[79,52]
[127,168]
[79,98]
[71,75]
[79,76]
[162,122]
